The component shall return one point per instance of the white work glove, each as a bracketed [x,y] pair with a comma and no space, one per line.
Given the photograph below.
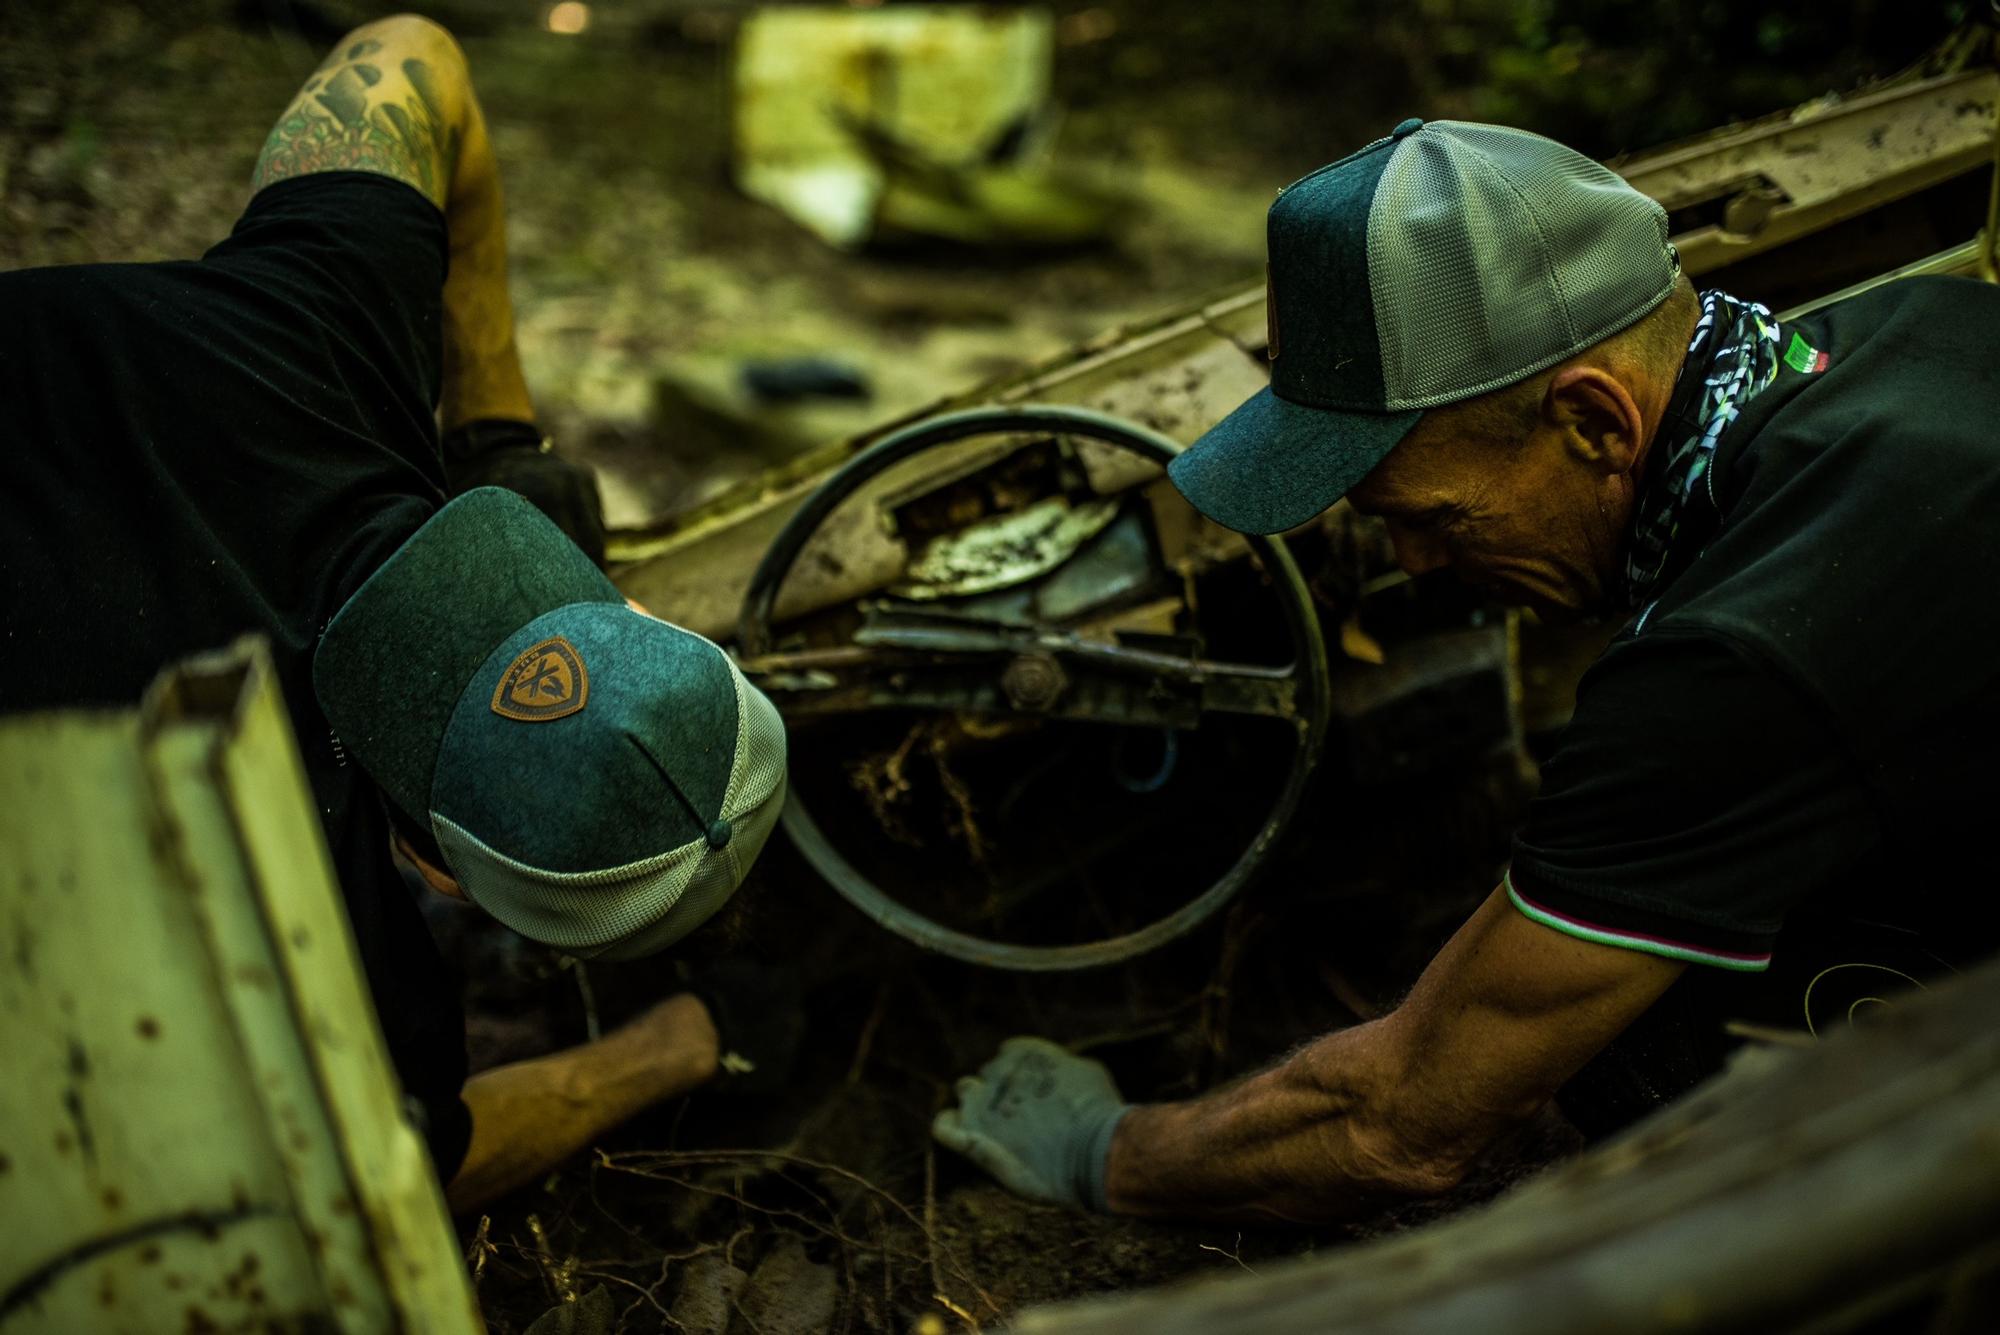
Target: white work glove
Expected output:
[1039,1118]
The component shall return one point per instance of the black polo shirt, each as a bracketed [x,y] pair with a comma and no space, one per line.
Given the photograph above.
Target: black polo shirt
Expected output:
[1785,760]
[198,449]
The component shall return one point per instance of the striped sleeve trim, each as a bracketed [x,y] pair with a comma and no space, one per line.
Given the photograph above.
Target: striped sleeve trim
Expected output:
[1568,925]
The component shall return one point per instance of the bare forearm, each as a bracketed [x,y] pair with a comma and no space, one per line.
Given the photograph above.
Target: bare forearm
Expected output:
[1310,1139]
[529,1116]
[395,97]
[1505,1014]
[482,367]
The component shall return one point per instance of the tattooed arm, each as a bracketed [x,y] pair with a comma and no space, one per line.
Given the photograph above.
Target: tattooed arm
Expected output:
[395,97]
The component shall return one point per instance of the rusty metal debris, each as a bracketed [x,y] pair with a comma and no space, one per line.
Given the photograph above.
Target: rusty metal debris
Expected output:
[872,125]
[997,660]
[1009,550]
[1750,189]
[884,782]
[236,972]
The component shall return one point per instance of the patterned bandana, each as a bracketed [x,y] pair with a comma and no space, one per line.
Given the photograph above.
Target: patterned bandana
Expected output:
[1732,359]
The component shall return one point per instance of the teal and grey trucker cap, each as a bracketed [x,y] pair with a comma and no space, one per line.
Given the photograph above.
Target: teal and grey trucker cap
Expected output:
[597,779]
[1435,265]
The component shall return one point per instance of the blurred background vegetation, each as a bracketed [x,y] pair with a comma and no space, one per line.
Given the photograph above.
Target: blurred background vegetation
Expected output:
[645,282]
[1607,76]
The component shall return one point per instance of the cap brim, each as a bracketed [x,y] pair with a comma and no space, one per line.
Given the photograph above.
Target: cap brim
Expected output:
[1273,464]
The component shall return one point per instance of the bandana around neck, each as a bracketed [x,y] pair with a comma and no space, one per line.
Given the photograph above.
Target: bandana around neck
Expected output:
[1732,358]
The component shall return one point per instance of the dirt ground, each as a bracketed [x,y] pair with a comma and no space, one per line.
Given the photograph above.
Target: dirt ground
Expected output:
[827,1206]
[643,282]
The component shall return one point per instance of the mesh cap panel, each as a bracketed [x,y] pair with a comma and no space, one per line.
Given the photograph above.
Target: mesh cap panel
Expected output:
[578,912]
[760,750]
[1495,253]
[715,879]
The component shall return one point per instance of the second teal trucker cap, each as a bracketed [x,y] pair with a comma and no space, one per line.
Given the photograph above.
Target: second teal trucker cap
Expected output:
[1437,264]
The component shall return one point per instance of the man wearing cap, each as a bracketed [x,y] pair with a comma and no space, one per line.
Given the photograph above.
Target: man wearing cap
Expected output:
[1766,803]
[249,442]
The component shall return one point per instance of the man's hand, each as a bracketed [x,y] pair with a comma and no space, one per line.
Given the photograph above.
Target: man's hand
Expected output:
[515,455]
[1040,1119]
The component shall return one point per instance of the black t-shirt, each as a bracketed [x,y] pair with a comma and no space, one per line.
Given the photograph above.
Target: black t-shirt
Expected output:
[194,450]
[1783,762]
[1696,798]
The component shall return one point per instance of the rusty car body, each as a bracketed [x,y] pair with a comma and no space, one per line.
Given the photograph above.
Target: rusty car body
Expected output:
[1026,564]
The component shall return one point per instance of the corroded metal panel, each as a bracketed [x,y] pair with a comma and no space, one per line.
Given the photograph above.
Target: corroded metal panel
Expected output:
[198,1127]
[124,1077]
[1794,174]
[1177,374]
[814,86]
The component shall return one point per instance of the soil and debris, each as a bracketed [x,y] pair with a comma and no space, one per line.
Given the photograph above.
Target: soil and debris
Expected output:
[827,1206]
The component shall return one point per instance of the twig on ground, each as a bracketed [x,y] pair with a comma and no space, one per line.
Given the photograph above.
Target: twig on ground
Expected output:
[479,1249]
[651,1292]
[642,1239]
[1236,1256]
[1134,1034]
[559,1274]
[883,785]
[639,1162]
[828,1230]
[1239,929]
[971,1322]
[736,1305]
[866,1043]
[930,1240]
[930,1214]
[646,1295]
[729,1248]
[888,1269]
[851,1298]
[591,1029]
[961,800]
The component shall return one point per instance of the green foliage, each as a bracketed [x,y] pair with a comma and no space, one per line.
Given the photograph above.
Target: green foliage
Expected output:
[1605,75]
[1611,75]
[81,144]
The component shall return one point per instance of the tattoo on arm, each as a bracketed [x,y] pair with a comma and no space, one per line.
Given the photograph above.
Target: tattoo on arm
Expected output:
[351,117]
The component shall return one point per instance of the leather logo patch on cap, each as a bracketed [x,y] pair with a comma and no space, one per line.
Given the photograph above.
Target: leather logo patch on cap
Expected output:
[545,682]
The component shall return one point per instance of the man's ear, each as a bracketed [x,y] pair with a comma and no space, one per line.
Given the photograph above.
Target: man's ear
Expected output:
[1597,417]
